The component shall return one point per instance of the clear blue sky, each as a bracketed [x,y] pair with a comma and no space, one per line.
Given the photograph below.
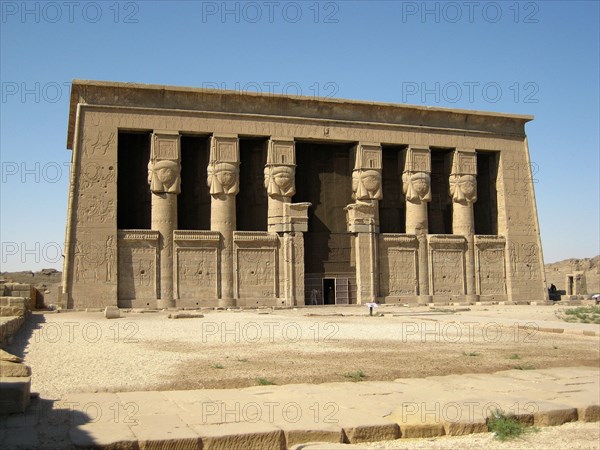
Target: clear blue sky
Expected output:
[539,58]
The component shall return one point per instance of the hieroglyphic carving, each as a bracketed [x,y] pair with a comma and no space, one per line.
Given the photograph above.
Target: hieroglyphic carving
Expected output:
[256,272]
[96,175]
[447,272]
[95,209]
[524,260]
[399,275]
[138,264]
[197,272]
[94,260]
[97,145]
[256,263]
[197,263]
[490,264]
[447,263]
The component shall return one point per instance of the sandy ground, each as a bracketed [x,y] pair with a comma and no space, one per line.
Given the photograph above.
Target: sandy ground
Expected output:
[84,352]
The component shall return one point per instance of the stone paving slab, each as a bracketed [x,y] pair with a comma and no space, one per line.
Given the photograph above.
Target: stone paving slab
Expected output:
[283,417]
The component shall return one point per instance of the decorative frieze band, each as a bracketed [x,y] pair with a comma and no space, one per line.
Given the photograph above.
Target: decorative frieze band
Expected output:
[400,239]
[255,237]
[138,235]
[181,236]
[446,241]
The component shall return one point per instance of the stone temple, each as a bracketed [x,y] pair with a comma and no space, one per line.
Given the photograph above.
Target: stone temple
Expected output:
[184,197]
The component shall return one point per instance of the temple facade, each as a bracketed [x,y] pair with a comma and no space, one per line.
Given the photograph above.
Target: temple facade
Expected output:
[183,197]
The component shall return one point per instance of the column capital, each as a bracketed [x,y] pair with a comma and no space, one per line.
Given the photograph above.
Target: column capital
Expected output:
[280,170]
[163,168]
[464,161]
[360,217]
[463,177]
[416,179]
[223,166]
[366,176]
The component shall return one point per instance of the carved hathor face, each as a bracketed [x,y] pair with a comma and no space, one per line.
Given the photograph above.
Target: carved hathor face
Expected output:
[166,176]
[283,176]
[366,184]
[420,182]
[468,185]
[227,175]
[371,180]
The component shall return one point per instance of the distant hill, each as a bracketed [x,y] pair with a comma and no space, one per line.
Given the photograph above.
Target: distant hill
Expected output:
[556,272]
[46,281]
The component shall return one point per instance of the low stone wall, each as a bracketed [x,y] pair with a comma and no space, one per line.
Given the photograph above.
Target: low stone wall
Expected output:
[13,311]
[14,306]
[15,377]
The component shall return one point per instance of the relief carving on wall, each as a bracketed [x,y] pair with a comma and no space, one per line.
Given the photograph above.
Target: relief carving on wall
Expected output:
[138,261]
[98,144]
[400,274]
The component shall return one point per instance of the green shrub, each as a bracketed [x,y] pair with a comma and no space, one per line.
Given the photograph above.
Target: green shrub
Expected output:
[506,426]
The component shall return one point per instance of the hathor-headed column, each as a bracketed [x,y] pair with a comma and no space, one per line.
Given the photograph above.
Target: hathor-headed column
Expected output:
[363,218]
[223,183]
[463,190]
[280,172]
[164,179]
[288,219]
[416,184]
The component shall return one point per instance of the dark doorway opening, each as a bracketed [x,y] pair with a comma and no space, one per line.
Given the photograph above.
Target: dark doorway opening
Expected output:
[134,201]
[193,203]
[439,209]
[485,209]
[323,178]
[392,212]
[251,203]
[329,291]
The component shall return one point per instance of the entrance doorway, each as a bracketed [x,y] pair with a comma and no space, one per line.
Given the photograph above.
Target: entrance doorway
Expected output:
[329,291]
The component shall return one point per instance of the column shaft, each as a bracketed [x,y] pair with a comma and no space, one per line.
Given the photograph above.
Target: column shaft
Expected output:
[463,224]
[164,220]
[223,220]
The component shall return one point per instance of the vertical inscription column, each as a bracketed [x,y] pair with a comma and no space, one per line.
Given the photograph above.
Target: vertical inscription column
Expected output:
[463,190]
[416,184]
[363,218]
[223,183]
[164,179]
